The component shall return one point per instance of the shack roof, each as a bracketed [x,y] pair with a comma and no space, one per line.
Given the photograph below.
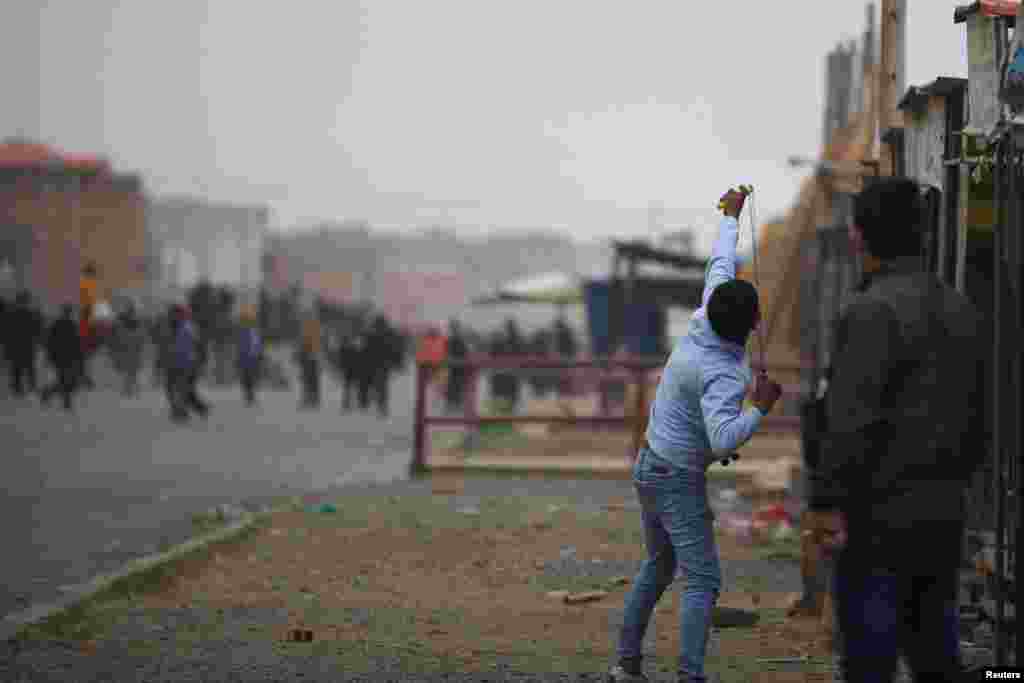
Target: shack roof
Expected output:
[916,97]
[988,8]
[641,251]
[17,153]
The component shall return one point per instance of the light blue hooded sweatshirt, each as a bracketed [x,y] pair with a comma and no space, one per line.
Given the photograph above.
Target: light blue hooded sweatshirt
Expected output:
[697,416]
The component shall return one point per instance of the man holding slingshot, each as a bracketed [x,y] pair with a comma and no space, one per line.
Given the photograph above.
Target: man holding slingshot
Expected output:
[697,418]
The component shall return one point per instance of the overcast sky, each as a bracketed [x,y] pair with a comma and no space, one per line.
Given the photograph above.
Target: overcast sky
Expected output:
[483,114]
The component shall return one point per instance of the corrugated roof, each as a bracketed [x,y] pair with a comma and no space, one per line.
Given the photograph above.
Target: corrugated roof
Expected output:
[19,153]
[82,162]
[26,154]
[642,251]
[988,8]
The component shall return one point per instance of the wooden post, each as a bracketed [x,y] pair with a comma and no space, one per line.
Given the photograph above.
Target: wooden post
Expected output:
[418,465]
[602,387]
[892,71]
[469,397]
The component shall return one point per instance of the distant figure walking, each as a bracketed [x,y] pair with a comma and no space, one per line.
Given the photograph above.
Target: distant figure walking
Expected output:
[5,309]
[127,349]
[308,358]
[385,352]
[24,330]
[185,369]
[540,346]
[505,385]
[250,354]
[433,349]
[64,351]
[364,372]
[458,350]
[349,351]
[565,343]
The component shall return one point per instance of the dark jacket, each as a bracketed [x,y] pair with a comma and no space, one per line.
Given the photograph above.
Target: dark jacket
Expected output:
[64,345]
[347,356]
[906,405]
[384,349]
[24,329]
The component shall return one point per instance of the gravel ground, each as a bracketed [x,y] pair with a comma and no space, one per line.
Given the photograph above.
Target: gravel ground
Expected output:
[233,658]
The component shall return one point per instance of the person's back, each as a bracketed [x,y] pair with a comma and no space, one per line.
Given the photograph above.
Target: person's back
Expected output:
[64,346]
[22,329]
[379,348]
[905,412]
[5,310]
[346,354]
[566,340]
[186,346]
[676,430]
[311,338]
[250,345]
[934,390]
[696,417]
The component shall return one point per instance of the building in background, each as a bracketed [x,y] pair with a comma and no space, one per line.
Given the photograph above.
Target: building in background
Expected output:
[414,299]
[337,261]
[193,240]
[59,212]
[337,288]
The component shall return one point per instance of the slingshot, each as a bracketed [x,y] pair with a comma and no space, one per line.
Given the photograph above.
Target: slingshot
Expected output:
[748,191]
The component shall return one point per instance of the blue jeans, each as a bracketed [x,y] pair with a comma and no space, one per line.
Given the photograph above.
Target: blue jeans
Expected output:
[678,532]
[883,613]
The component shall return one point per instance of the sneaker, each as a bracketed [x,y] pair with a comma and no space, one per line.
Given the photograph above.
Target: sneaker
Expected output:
[619,675]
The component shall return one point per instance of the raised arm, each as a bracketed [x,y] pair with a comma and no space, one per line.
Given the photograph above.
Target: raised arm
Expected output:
[722,266]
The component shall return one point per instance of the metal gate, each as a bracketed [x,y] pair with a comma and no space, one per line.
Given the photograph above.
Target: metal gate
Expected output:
[1006,407]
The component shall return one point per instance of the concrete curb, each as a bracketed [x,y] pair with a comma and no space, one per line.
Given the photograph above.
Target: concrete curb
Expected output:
[12,623]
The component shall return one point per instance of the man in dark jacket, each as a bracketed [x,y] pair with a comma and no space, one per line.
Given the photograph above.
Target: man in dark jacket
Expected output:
[384,352]
[906,430]
[348,366]
[24,332]
[458,350]
[64,349]
[565,341]
[364,360]
[5,309]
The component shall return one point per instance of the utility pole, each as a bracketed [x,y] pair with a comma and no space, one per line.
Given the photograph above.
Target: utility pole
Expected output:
[892,74]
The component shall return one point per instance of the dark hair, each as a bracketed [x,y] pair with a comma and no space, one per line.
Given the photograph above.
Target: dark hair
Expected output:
[889,213]
[732,310]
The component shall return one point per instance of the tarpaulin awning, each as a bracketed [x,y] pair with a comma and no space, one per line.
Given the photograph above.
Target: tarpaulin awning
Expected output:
[987,8]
